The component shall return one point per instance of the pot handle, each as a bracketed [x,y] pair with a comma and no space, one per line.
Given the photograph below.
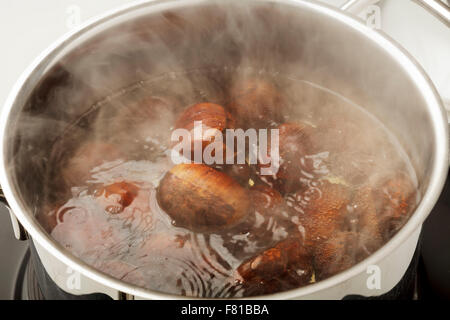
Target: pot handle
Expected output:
[435,7]
[19,231]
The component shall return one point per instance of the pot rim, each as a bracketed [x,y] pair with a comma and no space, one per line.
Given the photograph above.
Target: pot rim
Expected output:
[413,69]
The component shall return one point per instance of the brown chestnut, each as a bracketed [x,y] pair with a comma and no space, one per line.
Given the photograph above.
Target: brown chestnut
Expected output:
[294,145]
[242,173]
[285,266]
[336,254]
[47,217]
[265,226]
[324,212]
[202,199]
[396,197]
[368,223]
[256,103]
[272,209]
[266,198]
[212,116]
[116,197]
[156,108]
[343,249]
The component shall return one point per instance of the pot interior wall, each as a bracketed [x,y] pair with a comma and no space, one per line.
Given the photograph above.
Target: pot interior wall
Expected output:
[176,36]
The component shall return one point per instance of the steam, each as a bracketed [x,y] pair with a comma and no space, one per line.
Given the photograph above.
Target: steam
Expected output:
[183,57]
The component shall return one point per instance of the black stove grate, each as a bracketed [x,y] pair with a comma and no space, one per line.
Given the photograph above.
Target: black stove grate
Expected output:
[33,290]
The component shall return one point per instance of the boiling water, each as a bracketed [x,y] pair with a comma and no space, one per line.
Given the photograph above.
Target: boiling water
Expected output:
[138,243]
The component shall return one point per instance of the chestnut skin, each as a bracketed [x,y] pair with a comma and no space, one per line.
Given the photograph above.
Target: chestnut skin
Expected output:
[242,173]
[212,116]
[287,265]
[150,108]
[88,156]
[270,204]
[265,226]
[324,213]
[116,197]
[344,249]
[266,198]
[340,252]
[202,199]
[368,221]
[396,198]
[294,145]
[47,217]
[256,103]
[343,132]
[336,254]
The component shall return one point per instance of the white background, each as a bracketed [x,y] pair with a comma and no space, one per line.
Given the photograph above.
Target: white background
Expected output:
[28,27]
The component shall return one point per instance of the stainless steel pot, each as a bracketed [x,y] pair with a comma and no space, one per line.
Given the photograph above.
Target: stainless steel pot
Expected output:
[302,39]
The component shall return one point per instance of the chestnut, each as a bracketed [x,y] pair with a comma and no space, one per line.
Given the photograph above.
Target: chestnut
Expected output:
[212,116]
[285,266]
[336,254]
[324,212]
[268,223]
[47,217]
[354,143]
[272,208]
[116,197]
[256,103]
[396,197]
[294,145]
[202,199]
[78,168]
[368,223]
[242,173]
[127,203]
[271,218]
[265,198]
[340,252]
[344,248]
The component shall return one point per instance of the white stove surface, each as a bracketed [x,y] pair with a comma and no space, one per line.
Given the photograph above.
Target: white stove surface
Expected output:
[28,27]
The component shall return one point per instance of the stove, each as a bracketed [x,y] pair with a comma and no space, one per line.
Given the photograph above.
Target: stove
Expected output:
[26,278]
[21,273]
